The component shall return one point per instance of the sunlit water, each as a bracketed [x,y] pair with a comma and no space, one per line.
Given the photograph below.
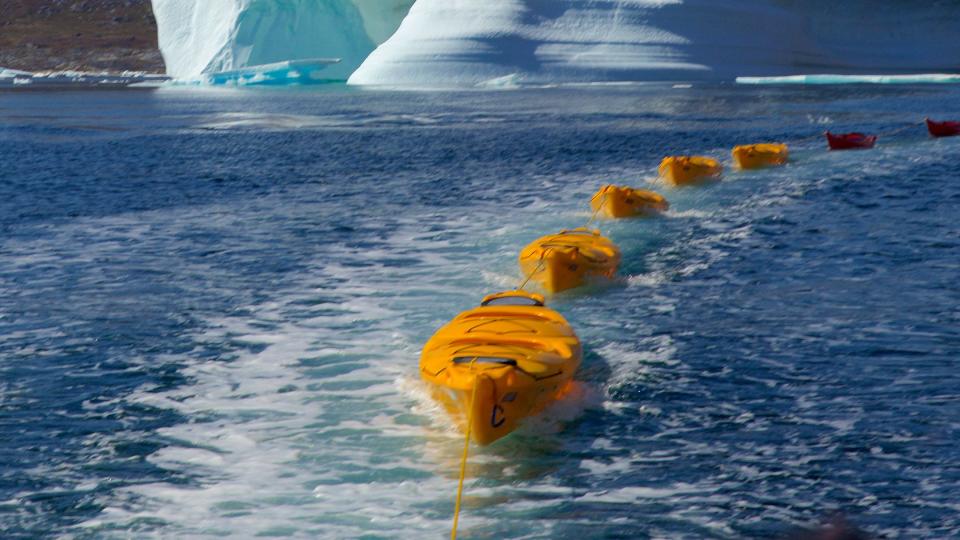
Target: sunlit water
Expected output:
[212,306]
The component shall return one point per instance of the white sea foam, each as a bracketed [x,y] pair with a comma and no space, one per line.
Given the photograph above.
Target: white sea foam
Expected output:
[630,364]
[263,414]
[319,402]
[637,493]
[688,213]
[294,122]
[502,281]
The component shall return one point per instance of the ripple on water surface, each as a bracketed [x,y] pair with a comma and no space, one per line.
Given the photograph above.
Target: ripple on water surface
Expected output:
[211,314]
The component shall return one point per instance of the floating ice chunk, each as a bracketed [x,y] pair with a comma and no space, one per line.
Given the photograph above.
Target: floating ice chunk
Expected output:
[923,78]
[507,81]
[312,71]
[7,73]
[12,78]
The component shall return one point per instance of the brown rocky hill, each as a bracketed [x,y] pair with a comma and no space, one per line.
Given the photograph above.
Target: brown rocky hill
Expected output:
[87,35]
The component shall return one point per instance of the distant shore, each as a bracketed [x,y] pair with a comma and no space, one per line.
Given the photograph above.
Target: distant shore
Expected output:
[90,36]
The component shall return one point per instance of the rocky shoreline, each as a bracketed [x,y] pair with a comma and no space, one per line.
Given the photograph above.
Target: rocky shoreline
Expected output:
[79,35]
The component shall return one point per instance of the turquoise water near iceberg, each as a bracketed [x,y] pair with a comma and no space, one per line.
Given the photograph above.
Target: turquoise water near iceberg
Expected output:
[212,304]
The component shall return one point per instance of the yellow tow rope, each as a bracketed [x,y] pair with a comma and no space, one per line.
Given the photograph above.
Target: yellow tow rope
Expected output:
[603,199]
[535,270]
[463,460]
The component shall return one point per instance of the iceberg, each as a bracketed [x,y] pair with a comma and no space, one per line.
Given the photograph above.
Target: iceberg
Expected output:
[200,39]
[547,41]
[497,43]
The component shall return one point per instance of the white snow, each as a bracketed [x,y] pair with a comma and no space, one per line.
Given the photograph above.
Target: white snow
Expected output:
[199,37]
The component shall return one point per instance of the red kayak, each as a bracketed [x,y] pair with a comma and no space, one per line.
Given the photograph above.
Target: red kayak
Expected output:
[850,141]
[943,129]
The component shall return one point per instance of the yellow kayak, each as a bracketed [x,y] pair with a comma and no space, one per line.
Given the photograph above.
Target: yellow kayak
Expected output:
[756,156]
[518,354]
[620,202]
[685,170]
[563,261]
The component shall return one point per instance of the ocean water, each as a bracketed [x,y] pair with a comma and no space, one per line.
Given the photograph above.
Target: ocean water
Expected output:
[212,304]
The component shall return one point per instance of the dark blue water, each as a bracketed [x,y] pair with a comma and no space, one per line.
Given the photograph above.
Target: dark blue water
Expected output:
[212,304]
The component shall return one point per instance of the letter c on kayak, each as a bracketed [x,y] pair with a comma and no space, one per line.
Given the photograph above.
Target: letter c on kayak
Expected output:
[493,416]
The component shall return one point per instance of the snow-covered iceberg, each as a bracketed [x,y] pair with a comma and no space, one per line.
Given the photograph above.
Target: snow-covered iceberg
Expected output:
[545,41]
[469,42]
[212,40]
